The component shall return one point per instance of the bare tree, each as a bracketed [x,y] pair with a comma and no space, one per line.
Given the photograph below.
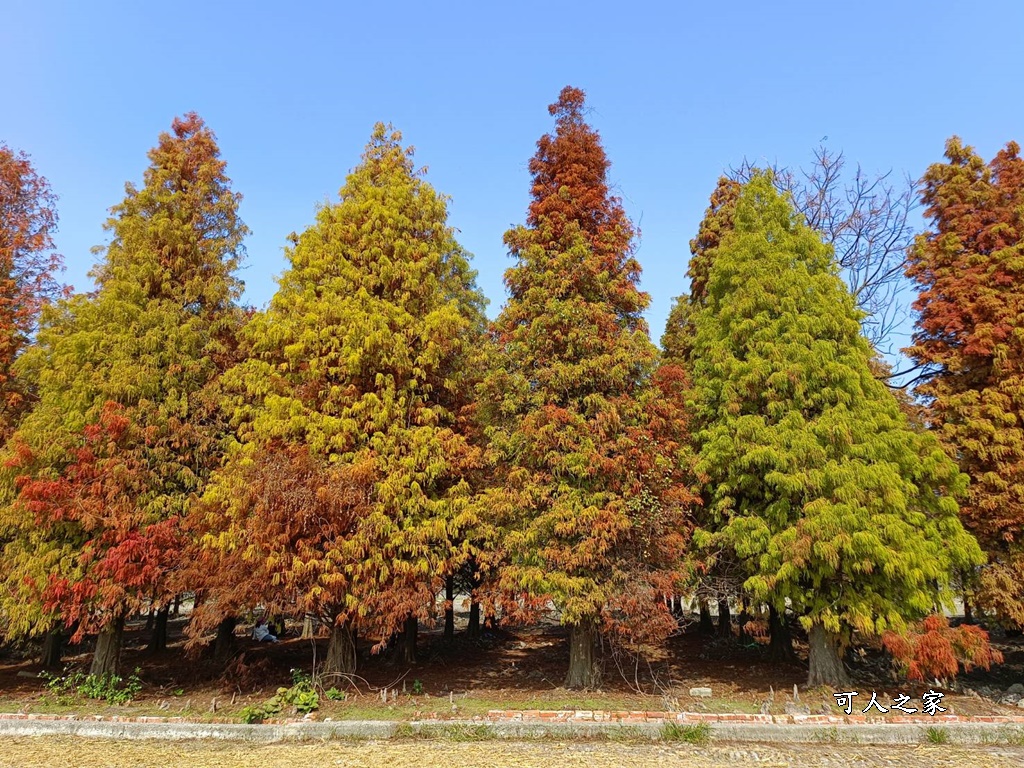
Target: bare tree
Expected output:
[866,220]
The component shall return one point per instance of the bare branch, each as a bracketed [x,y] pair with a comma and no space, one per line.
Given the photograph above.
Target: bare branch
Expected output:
[866,219]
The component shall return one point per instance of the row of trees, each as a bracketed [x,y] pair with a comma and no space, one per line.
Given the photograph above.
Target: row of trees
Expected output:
[368,440]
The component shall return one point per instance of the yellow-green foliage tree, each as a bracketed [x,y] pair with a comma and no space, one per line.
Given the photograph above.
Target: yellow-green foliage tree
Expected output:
[817,483]
[358,373]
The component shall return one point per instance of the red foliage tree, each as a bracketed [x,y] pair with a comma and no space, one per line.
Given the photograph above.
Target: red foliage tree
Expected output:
[125,546]
[584,447]
[28,218]
[282,534]
[935,650]
[969,339]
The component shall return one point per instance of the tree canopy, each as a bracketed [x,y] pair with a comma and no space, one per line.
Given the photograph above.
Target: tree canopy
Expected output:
[584,498]
[816,482]
[123,434]
[357,373]
[969,339]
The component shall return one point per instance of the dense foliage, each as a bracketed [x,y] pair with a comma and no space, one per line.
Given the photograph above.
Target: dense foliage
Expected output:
[123,436]
[346,495]
[970,341]
[590,494]
[816,481]
[365,448]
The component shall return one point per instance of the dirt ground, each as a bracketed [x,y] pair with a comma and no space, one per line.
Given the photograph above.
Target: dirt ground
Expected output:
[67,753]
[516,669]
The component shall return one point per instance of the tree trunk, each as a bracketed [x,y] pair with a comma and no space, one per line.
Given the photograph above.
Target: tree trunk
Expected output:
[341,652]
[449,609]
[158,638]
[407,642]
[780,641]
[308,627]
[677,608]
[968,613]
[176,610]
[107,658]
[744,617]
[724,619]
[826,665]
[52,649]
[149,620]
[473,628]
[584,672]
[707,624]
[225,643]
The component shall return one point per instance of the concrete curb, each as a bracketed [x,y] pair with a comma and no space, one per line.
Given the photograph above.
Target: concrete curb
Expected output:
[862,733]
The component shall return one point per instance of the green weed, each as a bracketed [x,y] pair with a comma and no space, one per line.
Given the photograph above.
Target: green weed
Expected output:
[697,733]
[113,689]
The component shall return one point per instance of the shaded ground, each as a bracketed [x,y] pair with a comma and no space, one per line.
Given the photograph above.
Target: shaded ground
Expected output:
[67,753]
[520,669]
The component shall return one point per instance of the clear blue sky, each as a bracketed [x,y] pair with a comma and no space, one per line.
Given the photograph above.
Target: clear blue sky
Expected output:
[679,91]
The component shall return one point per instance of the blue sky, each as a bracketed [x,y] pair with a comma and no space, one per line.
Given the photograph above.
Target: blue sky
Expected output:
[678,90]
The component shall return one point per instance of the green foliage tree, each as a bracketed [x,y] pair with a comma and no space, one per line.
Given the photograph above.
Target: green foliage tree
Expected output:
[125,431]
[587,498]
[816,482]
[969,340]
[361,366]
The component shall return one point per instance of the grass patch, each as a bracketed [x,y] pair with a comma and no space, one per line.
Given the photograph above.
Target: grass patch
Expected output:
[697,733]
[827,735]
[1005,734]
[456,732]
[720,704]
[409,708]
[936,735]
[627,734]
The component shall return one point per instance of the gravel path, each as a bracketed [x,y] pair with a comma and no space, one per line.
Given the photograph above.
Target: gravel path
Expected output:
[73,753]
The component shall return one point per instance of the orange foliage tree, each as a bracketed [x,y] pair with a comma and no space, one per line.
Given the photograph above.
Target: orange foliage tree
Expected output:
[124,373]
[104,505]
[933,649]
[356,377]
[587,452]
[28,218]
[969,340]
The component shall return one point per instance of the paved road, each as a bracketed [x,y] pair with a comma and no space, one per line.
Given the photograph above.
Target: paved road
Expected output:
[27,752]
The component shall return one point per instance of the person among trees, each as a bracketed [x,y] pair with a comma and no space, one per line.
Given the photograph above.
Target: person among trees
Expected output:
[261,632]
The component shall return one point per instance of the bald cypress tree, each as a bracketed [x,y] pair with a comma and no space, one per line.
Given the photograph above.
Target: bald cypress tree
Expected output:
[28,219]
[123,434]
[969,268]
[717,221]
[583,495]
[357,377]
[817,483]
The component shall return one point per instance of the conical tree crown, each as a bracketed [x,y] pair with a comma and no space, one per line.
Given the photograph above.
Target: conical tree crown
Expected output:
[817,482]
[969,269]
[361,361]
[717,221]
[136,357]
[370,326]
[571,423]
[571,202]
[179,237]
